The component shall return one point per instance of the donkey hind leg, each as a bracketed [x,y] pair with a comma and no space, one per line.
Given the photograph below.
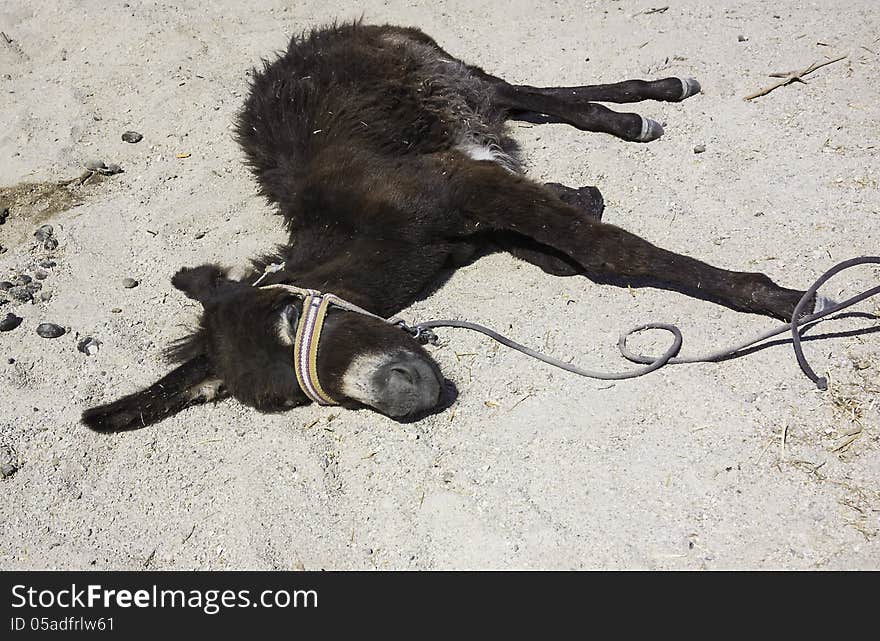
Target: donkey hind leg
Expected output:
[589,203]
[495,198]
[587,200]
[548,259]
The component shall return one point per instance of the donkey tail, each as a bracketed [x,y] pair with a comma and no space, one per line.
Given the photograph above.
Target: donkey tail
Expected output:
[188,384]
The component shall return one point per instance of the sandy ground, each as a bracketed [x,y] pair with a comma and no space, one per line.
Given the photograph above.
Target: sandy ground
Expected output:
[737,465]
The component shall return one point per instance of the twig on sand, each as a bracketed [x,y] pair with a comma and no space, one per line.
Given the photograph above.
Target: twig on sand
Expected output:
[648,12]
[786,78]
[6,38]
[186,538]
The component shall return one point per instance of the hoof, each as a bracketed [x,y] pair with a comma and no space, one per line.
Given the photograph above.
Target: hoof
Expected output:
[822,303]
[651,130]
[690,87]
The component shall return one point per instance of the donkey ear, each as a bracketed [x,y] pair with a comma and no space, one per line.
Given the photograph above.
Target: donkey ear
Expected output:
[199,283]
[191,383]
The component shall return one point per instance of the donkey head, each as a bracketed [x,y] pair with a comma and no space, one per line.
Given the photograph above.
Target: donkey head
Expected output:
[244,348]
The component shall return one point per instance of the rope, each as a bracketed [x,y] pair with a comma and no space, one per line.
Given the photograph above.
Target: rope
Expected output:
[424,333]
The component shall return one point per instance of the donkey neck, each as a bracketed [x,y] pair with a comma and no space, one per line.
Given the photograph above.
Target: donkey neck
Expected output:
[347,274]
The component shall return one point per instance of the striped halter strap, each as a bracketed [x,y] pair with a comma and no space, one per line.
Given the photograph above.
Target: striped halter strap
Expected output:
[308,336]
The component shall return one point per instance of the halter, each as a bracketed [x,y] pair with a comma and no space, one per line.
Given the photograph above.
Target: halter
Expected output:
[308,332]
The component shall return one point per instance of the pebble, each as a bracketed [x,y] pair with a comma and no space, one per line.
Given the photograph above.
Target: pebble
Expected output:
[111,169]
[200,235]
[10,322]
[34,287]
[100,167]
[128,283]
[5,285]
[41,274]
[47,263]
[4,214]
[50,330]
[741,38]
[89,346]
[22,279]
[44,233]
[132,137]
[45,295]
[21,293]
[8,462]
[698,149]
[50,244]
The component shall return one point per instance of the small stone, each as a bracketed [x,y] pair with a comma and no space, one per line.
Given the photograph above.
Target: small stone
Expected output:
[698,149]
[132,137]
[45,295]
[95,165]
[4,214]
[741,38]
[7,469]
[5,285]
[129,283]
[22,294]
[3,249]
[34,287]
[110,169]
[44,233]
[50,244]
[10,322]
[8,462]
[116,310]
[89,346]
[200,235]
[23,279]
[41,274]
[50,330]
[47,263]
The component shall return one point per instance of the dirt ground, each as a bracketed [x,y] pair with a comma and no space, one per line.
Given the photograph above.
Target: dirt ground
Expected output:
[736,465]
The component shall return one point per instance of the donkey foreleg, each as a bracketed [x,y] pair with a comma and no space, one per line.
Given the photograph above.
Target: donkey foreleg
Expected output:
[666,90]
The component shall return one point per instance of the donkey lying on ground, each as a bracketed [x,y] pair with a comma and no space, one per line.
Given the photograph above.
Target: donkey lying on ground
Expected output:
[388,159]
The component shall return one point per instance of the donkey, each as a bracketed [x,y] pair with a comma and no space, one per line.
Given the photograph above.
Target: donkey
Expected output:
[388,160]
